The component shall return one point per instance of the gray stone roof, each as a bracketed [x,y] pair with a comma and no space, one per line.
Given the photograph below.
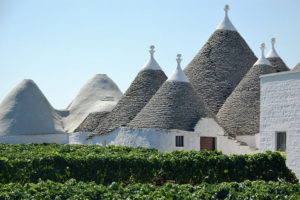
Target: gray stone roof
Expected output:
[278,64]
[145,85]
[219,66]
[174,106]
[91,122]
[240,113]
[297,67]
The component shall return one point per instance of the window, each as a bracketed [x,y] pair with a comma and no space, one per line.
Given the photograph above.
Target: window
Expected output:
[281,141]
[179,141]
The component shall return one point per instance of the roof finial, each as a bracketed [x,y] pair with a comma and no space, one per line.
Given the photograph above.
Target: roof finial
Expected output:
[152,50]
[262,60]
[263,47]
[151,64]
[273,42]
[226,8]
[178,60]
[178,75]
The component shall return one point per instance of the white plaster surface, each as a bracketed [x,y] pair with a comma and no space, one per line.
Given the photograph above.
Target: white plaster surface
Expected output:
[99,94]
[25,110]
[251,140]
[151,64]
[226,23]
[178,75]
[262,61]
[280,111]
[272,53]
[230,146]
[161,139]
[27,139]
[164,140]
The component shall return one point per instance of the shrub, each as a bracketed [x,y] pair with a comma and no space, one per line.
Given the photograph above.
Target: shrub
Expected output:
[72,189]
[29,163]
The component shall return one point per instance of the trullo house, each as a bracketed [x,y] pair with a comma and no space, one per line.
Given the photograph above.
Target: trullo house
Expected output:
[239,116]
[220,65]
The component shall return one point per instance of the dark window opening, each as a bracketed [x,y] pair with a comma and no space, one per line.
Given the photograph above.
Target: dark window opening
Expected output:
[179,141]
[281,141]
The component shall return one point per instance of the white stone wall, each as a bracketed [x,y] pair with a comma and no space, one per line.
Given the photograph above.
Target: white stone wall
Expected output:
[252,140]
[164,140]
[280,111]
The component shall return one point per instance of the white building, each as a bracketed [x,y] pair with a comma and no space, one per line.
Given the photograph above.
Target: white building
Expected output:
[174,119]
[280,116]
[207,135]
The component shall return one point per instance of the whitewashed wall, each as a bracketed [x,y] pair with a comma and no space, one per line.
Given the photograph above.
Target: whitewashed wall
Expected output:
[62,138]
[164,140]
[280,111]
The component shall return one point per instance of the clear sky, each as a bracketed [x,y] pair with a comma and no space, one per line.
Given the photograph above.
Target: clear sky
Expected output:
[60,44]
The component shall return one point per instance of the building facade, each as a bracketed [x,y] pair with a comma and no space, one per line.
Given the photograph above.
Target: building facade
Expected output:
[280,116]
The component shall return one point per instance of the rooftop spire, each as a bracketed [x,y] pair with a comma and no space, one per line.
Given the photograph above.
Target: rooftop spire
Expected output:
[151,63]
[272,53]
[262,60]
[178,75]
[226,23]
[152,50]
[273,42]
[263,47]
[179,61]
[226,8]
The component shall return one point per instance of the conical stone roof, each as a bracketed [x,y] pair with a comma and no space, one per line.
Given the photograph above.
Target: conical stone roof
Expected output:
[91,122]
[144,86]
[99,94]
[297,67]
[240,113]
[275,59]
[220,65]
[26,111]
[175,105]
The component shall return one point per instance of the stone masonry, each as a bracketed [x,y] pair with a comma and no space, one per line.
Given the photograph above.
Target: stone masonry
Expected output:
[218,68]
[240,113]
[91,122]
[174,106]
[135,98]
[278,64]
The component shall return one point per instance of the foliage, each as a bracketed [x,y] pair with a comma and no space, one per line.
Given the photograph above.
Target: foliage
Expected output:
[29,163]
[259,190]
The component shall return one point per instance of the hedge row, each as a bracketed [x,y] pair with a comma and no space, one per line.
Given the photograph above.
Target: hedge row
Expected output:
[259,190]
[29,163]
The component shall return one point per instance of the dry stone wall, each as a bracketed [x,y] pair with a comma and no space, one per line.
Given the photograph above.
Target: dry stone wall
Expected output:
[175,106]
[91,122]
[135,98]
[220,65]
[278,64]
[240,113]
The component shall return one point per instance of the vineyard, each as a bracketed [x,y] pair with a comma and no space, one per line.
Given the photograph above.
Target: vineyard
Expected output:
[49,190]
[50,171]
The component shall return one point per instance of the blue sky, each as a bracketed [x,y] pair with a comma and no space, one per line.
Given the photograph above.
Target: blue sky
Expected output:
[60,44]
